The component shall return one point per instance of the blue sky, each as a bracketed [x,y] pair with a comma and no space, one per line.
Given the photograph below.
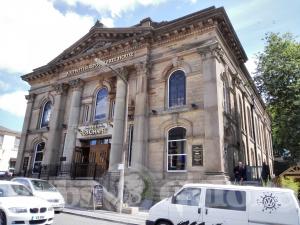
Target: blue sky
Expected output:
[33,32]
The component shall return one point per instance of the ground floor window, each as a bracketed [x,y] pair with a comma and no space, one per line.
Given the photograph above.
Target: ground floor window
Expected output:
[176,149]
[38,158]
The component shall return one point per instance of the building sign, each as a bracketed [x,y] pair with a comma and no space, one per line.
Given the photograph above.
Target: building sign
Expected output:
[102,129]
[97,196]
[197,155]
[98,65]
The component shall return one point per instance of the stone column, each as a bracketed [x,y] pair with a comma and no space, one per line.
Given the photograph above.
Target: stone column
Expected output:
[73,120]
[214,157]
[55,127]
[118,124]
[26,125]
[139,145]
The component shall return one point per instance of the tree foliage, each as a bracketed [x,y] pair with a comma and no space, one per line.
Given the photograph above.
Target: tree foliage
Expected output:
[278,80]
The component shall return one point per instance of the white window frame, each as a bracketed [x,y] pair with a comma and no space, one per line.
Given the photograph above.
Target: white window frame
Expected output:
[35,151]
[168,89]
[185,154]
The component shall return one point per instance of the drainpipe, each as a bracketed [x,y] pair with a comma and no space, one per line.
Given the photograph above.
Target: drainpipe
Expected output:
[254,136]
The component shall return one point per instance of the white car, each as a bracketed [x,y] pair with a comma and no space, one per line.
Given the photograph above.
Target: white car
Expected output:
[43,189]
[207,204]
[19,206]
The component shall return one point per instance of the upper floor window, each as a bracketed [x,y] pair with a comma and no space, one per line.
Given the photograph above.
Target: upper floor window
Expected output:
[17,143]
[177,86]
[101,108]
[226,99]
[46,115]
[176,149]
[1,140]
[241,113]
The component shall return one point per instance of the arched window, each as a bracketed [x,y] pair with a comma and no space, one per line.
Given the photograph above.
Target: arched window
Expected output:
[46,114]
[226,99]
[101,108]
[250,125]
[176,149]
[241,113]
[177,88]
[38,157]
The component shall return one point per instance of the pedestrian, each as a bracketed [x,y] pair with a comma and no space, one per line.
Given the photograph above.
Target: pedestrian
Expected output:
[239,173]
[265,174]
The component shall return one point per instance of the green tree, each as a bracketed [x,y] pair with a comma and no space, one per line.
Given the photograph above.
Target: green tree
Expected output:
[278,80]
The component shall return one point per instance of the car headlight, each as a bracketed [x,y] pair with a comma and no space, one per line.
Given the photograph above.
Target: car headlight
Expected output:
[50,209]
[17,210]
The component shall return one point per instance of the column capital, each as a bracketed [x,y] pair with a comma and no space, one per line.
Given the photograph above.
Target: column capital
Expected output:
[211,49]
[60,88]
[76,84]
[30,97]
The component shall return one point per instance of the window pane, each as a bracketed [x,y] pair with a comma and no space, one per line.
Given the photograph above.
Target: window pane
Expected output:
[39,156]
[177,88]
[101,104]
[177,133]
[40,147]
[176,147]
[176,162]
[188,196]
[36,167]
[46,115]
[226,199]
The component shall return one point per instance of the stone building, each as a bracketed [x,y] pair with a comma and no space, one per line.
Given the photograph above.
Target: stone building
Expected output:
[177,92]
[9,145]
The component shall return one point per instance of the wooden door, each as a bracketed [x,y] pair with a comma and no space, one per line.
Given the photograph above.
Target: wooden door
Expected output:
[99,154]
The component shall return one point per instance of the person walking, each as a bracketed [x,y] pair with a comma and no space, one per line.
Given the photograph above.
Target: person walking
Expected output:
[239,173]
[265,174]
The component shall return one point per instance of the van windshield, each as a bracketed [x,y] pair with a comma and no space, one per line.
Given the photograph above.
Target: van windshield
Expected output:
[41,185]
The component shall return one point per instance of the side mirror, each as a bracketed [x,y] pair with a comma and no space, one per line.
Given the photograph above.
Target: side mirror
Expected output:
[173,199]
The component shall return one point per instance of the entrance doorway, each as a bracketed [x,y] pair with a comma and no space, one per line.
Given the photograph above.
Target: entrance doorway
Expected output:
[92,159]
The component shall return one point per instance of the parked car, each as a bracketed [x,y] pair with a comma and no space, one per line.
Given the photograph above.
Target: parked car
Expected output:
[5,175]
[19,206]
[227,205]
[42,189]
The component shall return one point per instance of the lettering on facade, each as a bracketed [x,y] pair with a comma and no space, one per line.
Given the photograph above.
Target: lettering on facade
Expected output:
[97,65]
[197,155]
[95,130]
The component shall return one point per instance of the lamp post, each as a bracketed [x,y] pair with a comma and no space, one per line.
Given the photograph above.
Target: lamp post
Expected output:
[121,166]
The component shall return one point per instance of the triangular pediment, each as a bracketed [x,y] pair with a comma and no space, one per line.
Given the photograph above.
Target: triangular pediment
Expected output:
[98,38]
[292,171]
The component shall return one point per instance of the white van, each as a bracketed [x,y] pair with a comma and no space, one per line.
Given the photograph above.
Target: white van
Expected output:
[208,204]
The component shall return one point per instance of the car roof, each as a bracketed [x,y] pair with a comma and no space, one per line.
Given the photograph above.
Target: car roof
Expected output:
[8,182]
[238,187]
[28,178]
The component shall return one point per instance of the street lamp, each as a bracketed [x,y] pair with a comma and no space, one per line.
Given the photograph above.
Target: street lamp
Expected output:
[121,167]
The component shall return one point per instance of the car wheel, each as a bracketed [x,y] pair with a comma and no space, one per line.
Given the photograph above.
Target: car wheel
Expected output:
[163,223]
[2,218]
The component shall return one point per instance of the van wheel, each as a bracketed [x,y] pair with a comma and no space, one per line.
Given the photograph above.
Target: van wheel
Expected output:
[2,218]
[163,223]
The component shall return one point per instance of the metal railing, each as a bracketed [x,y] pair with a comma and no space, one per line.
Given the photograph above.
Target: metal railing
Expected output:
[71,171]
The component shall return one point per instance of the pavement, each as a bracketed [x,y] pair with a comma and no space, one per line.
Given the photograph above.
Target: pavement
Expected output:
[120,218]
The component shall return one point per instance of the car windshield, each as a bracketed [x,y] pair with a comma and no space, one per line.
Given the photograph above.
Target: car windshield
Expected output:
[41,185]
[12,190]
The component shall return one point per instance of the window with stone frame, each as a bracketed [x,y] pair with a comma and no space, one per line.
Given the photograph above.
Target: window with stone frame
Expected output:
[1,140]
[177,89]
[38,157]
[101,105]
[46,114]
[176,149]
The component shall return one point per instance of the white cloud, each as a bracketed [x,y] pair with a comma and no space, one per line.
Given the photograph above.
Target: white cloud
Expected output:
[14,103]
[4,86]
[251,65]
[33,32]
[114,7]
[108,22]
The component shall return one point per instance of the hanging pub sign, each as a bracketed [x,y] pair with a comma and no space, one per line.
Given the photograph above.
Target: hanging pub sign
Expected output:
[102,129]
[97,196]
[197,155]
